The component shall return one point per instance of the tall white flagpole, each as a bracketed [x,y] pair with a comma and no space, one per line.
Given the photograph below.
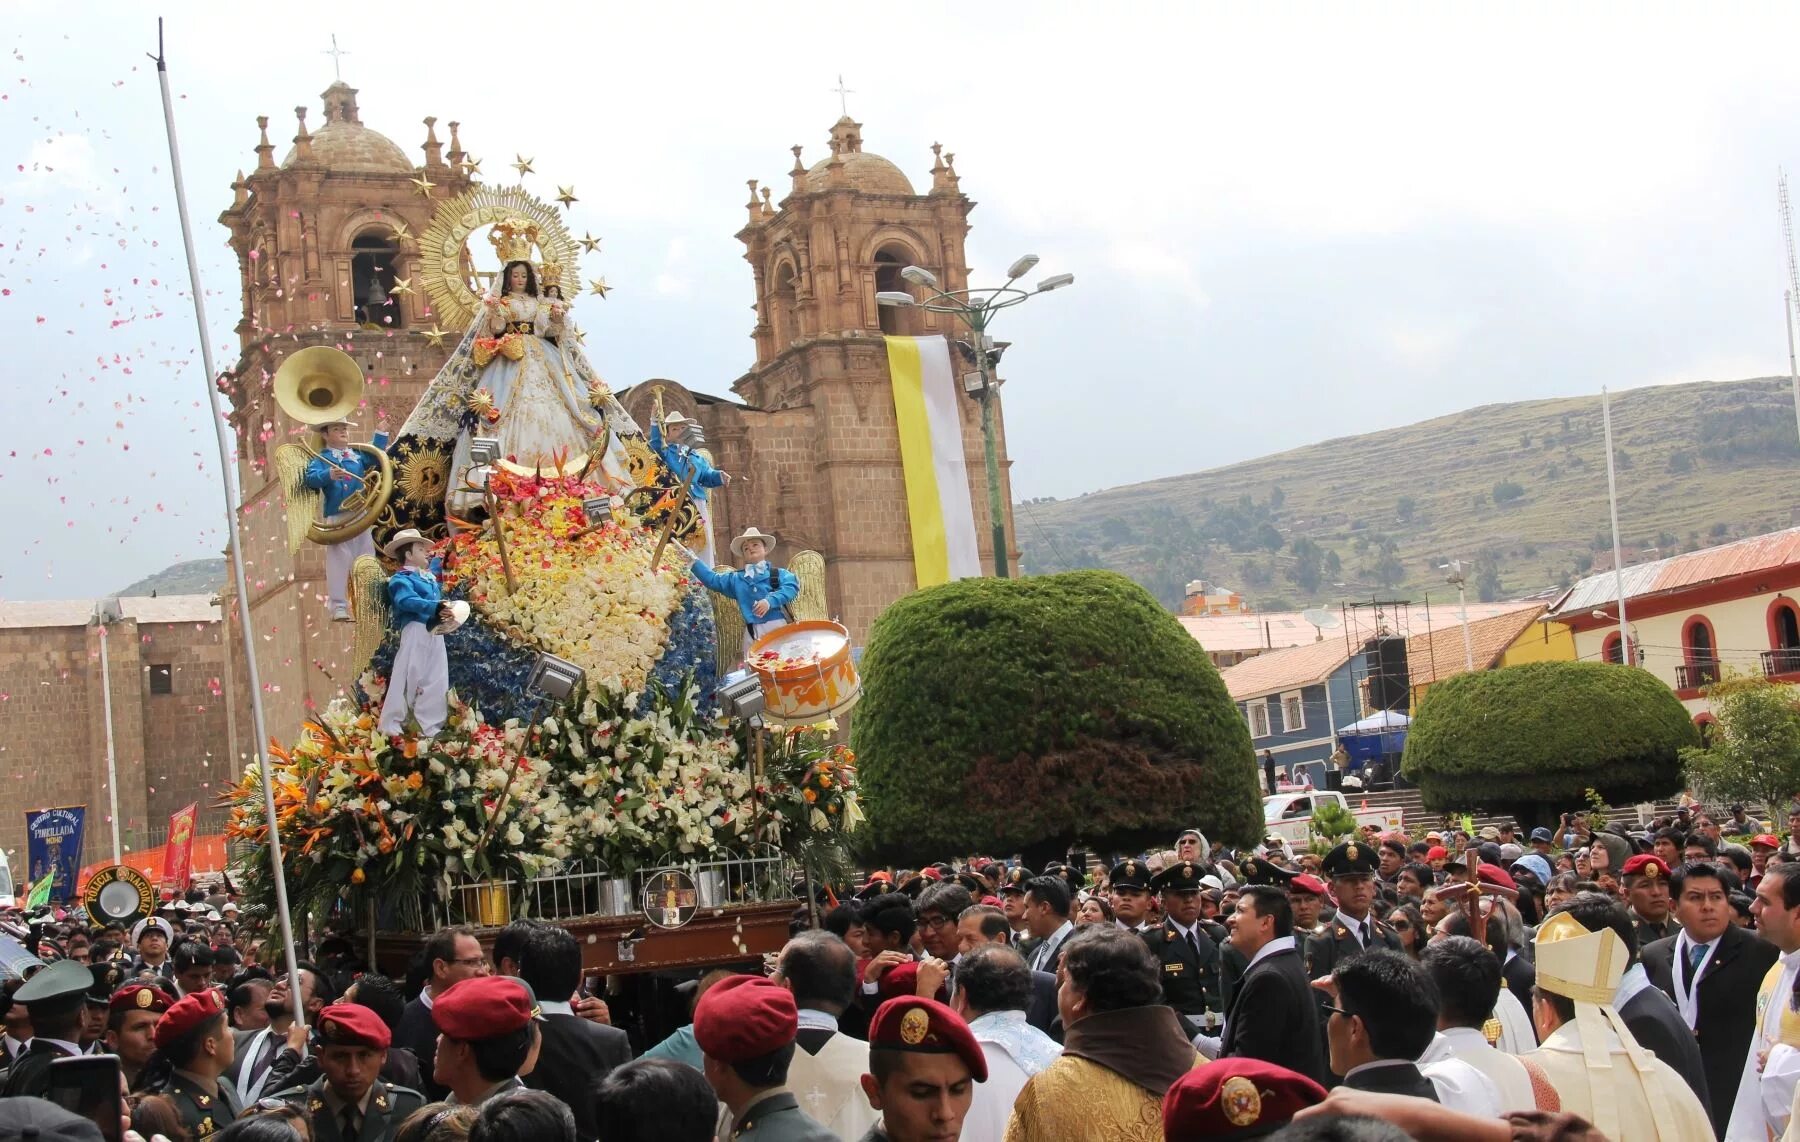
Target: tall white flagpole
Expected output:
[1626,653]
[231,523]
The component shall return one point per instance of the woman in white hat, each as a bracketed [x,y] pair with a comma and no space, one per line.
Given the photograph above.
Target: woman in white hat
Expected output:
[763,591]
[339,471]
[420,682]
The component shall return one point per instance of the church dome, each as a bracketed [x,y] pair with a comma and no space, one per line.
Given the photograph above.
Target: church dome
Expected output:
[869,173]
[344,144]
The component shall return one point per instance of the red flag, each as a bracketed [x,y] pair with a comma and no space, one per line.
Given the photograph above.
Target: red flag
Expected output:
[178,856]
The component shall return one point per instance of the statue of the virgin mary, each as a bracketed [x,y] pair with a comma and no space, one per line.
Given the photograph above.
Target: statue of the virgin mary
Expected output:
[517,376]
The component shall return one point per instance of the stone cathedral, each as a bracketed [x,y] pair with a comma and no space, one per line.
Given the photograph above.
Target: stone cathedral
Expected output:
[322,236]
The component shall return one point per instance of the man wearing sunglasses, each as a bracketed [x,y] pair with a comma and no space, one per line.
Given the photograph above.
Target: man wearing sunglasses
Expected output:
[1381,1020]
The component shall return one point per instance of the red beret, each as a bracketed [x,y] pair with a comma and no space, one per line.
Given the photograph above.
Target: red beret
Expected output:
[141,997]
[901,980]
[1765,840]
[482,1007]
[1498,877]
[1437,852]
[745,1017]
[188,1014]
[1235,1098]
[353,1025]
[928,1027]
[1646,864]
[1307,883]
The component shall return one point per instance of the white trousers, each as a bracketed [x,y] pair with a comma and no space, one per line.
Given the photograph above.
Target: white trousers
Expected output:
[420,684]
[338,559]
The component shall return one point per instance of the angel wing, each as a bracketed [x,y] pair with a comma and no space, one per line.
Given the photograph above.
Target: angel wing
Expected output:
[301,502]
[728,620]
[369,601]
[809,568]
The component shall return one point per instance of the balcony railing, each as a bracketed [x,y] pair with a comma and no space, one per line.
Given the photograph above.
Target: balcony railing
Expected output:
[1697,673]
[1781,660]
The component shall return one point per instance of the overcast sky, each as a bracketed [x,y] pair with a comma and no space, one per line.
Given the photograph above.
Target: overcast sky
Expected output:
[1286,222]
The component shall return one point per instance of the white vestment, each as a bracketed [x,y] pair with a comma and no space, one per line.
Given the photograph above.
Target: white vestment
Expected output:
[828,1086]
[1648,1101]
[1750,1120]
[1512,1083]
[419,683]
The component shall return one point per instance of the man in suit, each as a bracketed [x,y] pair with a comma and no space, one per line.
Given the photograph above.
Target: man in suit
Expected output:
[1649,1015]
[1272,1015]
[1712,970]
[1193,977]
[54,997]
[1047,904]
[268,1060]
[983,924]
[1383,1019]
[451,955]
[576,1053]
[349,1102]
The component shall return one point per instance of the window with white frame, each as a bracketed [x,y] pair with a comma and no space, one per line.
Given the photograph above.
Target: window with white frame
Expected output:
[1259,718]
[1293,712]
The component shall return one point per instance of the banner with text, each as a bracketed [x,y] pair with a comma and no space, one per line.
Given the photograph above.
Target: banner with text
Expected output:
[178,855]
[53,850]
[938,504]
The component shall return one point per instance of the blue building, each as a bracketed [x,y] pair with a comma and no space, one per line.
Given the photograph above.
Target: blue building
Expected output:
[1297,700]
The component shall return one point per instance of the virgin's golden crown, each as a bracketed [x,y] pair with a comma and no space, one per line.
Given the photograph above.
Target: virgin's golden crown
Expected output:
[513,238]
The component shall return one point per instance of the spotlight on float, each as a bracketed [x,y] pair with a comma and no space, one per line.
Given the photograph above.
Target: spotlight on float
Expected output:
[484,450]
[597,508]
[742,694]
[557,677]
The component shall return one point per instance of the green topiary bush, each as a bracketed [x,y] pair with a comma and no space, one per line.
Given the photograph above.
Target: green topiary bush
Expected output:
[1022,715]
[1533,739]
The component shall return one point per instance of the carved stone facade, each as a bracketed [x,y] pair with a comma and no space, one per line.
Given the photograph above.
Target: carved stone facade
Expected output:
[811,438]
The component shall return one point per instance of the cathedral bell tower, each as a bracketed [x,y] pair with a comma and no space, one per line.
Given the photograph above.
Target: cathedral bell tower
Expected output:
[325,257]
[816,431]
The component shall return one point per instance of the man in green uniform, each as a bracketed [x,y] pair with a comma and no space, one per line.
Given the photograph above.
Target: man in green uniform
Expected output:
[54,998]
[1355,928]
[1130,882]
[195,1040]
[1193,976]
[349,1102]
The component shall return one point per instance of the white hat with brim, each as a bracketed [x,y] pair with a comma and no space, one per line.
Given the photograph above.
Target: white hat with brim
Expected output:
[673,416]
[137,929]
[395,548]
[459,614]
[737,545]
[323,425]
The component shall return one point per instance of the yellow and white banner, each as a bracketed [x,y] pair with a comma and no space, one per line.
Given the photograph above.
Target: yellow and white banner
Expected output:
[931,457]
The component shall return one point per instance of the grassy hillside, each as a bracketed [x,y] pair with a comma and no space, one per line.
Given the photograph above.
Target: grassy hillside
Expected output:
[1520,489]
[195,577]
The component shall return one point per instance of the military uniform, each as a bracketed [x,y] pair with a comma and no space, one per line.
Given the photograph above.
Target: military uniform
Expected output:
[387,1107]
[1336,944]
[54,993]
[1130,874]
[335,1118]
[1012,883]
[1193,976]
[203,1114]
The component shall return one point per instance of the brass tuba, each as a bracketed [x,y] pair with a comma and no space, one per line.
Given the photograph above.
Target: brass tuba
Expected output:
[320,384]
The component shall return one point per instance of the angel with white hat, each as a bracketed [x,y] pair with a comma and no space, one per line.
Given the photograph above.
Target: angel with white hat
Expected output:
[690,467]
[763,592]
[339,472]
[419,684]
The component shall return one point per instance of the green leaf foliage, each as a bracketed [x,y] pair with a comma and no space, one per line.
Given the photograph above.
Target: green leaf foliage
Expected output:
[1021,715]
[1541,735]
[1755,753]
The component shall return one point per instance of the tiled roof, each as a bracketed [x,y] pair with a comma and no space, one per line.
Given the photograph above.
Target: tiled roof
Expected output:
[1276,629]
[1440,654]
[1727,561]
[1287,669]
[77,612]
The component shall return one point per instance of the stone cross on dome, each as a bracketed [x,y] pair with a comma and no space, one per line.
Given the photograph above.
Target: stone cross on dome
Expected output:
[843,94]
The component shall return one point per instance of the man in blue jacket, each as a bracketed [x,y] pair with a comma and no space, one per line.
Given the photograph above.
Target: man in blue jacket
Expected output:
[763,591]
[340,471]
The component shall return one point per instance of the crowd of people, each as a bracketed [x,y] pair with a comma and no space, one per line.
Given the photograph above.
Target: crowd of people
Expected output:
[1572,983]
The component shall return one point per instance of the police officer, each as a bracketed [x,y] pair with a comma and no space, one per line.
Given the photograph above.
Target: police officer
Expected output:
[1306,894]
[1012,902]
[1193,978]
[1355,928]
[349,1102]
[54,997]
[1131,894]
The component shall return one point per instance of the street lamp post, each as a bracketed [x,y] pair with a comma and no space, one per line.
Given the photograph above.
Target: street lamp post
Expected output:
[1453,573]
[977,308]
